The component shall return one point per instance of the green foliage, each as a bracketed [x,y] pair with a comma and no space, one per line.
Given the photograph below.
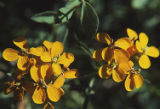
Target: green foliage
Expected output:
[89,19]
[60,16]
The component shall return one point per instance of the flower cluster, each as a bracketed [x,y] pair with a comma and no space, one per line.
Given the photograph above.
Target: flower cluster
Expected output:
[41,71]
[120,56]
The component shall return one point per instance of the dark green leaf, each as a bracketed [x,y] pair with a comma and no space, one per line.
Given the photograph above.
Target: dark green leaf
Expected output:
[60,16]
[89,19]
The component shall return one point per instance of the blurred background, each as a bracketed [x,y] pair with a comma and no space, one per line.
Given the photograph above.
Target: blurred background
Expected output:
[114,17]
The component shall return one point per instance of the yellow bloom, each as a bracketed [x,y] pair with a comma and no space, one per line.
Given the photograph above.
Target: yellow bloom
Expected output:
[118,68]
[145,51]
[105,54]
[133,80]
[11,54]
[52,53]
[127,43]
[46,85]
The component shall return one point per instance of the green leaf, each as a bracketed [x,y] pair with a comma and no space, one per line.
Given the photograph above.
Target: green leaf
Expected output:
[45,17]
[62,15]
[89,19]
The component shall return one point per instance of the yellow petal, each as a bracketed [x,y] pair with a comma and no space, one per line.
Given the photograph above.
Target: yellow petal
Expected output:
[57,70]
[104,72]
[124,67]
[138,80]
[144,62]
[46,57]
[32,61]
[132,34]
[152,51]
[46,72]
[66,59]
[107,54]
[129,83]
[104,38]
[57,49]
[97,55]
[139,47]
[143,38]
[34,72]
[38,51]
[132,50]
[123,43]
[54,94]
[10,54]
[59,81]
[21,42]
[22,62]
[117,76]
[72,73]
[39,95]
[121,56]
[47,44]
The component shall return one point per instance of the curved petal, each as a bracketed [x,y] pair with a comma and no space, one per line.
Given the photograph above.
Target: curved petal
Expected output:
[57,70]
[38,51]
[32,61]
[59,81]
[56,49]
[21,42]
[129,83]
[132,50]
[143,38]
[107,54]
[152,51]
[39,95]
[66,59]
[97,55]
[138,80]
[132,34]
[123,43]
[46,72]
[104,72]
[22,62]
[144,62]
[10,54]
[124,67]
[139,47]
[104,38]
[54,94]
[121,56]
[46,57]
[47,44]
[117,76]
[34,72]
[72,73]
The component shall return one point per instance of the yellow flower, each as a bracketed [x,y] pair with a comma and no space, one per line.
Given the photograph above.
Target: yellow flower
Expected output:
[127,43]
[105,54]
[52,53]
[145,51]
[133,80]
[11,54]
[46,86]
[118,68]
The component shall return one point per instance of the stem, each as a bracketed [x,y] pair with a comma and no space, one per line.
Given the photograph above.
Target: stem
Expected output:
[65,14]
[84,47]
[88,93]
